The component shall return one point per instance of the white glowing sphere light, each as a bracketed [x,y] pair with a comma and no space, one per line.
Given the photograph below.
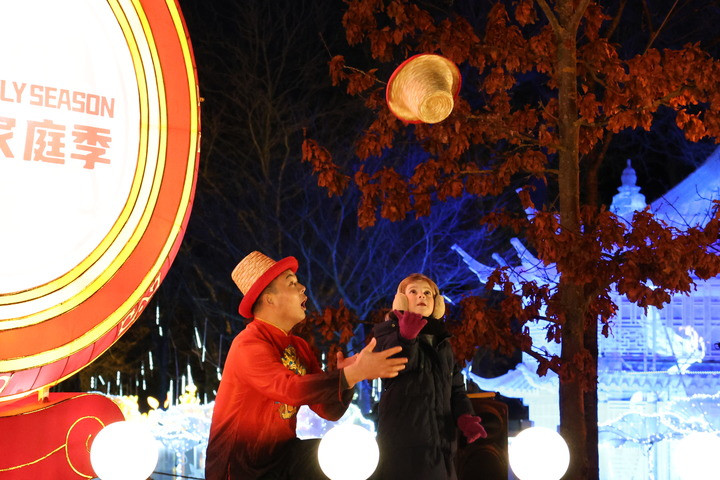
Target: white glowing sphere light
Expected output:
[539,453]
[348,452]
[124,451]
[695,456]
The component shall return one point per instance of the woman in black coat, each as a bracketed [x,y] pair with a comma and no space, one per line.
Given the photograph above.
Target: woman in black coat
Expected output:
[421,408]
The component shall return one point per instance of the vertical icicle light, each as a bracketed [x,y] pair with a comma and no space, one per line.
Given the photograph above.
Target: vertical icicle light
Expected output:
[376,389]
[157,319]
[197,337]
[150,360]
[202,357]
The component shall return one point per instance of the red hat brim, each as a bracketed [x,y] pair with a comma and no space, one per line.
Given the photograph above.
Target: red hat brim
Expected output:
[287,263]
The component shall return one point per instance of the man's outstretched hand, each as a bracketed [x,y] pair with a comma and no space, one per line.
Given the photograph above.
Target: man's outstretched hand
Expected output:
[368,365]
[343,361]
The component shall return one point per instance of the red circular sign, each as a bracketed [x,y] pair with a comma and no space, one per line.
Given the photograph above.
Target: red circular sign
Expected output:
[99,143]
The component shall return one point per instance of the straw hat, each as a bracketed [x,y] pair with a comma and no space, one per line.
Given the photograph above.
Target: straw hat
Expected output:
[254,273]
[423,89]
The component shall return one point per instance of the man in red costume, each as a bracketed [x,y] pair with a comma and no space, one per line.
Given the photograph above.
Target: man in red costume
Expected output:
[269,373]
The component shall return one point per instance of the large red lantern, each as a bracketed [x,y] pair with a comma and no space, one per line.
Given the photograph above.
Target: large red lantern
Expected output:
[99,141]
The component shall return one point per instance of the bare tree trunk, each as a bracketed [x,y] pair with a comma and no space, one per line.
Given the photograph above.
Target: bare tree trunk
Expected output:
[573,426]
[591,398]
[573,420]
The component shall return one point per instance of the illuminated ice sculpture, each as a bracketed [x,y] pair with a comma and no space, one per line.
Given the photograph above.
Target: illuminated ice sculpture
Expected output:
[124,451]
[348,452]
[539,453]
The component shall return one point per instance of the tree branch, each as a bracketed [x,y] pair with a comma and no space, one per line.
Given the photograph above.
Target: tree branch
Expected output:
[577,16]
[657,32]
[540,358]
[550,15]
[616,19]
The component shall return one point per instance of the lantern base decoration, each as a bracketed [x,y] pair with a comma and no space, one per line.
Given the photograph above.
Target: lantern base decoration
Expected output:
[52,434]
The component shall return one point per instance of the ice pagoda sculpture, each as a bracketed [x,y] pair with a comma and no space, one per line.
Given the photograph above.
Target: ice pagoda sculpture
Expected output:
[651,363]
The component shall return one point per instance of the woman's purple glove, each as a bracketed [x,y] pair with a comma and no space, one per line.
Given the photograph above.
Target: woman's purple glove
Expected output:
[470,426]
[410,323]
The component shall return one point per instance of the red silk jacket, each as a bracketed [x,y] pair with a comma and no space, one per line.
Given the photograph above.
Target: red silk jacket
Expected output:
[267,376]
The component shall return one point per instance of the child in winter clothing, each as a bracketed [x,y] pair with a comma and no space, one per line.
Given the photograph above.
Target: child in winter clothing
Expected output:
[422,407]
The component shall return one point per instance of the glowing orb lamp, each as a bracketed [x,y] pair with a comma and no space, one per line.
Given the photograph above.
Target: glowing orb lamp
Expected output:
[696,456]
[124,451]
[348,452]
[539,453]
